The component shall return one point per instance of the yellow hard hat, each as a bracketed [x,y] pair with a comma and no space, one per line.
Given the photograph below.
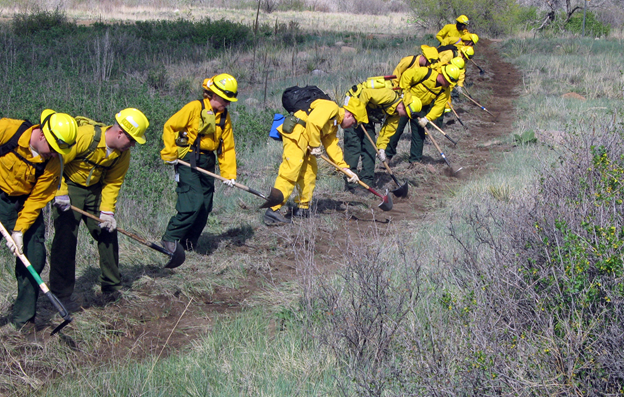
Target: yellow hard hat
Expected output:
[474,38]
[357,108]
[462,19]
[459,62]
[468,51]
[431,53]
[134,123]
[224,85]
[59,129]
[412,104]
[451,73]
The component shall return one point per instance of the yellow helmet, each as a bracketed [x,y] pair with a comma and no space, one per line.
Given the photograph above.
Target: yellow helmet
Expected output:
[459,62]
[468,51]
[462,19]
[134,123]
[59,129]
[357,108]
[412,104]
[451,73]
[430,53]
[474,38]
[224,85]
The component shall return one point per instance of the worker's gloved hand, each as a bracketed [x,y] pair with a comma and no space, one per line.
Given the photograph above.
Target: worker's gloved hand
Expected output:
[18,247]
[423,121]
[172,162]
[63,203]
[352,177]
[382,155]
[316,151]
[108,221]
[459,90]
[230,182]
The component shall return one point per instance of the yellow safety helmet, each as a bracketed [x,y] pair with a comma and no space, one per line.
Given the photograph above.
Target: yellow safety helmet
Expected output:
[59,129]
[451,73]
[134,123]
[430,53]
[462,19]
[357,108]
[459,62]
[412,104]
[224,85]
[474,38]
[468,51]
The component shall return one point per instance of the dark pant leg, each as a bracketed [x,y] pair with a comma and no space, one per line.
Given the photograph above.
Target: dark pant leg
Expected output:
[352,151]
[367,174]
[207,162]
[391,149]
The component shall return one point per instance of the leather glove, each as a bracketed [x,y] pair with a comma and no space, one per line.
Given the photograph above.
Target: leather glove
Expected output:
[423,121]
[172,162]
[108,221]
[63,203]
[18,247]
[316,151]
[352,177]
[230,182]
[382,155]
[459,90]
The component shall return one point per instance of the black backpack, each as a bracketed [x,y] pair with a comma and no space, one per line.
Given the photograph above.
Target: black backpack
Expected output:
[299,98]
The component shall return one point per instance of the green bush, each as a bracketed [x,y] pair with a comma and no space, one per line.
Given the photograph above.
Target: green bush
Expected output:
[42,21]
[593,27]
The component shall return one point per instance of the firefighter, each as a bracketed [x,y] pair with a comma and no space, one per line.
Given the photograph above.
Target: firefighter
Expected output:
[457,29]
[428,56]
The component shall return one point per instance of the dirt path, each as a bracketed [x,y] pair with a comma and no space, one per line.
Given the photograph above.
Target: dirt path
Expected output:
[147,328]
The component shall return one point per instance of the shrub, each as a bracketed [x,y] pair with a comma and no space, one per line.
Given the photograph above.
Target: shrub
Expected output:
[41,21]
[593,27]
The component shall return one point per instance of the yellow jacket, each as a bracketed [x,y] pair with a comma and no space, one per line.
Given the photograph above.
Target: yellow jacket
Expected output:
[426,90]
[18,178]
[386,100]
[188,119]
[110,171]
[321,127]
[445,59]
[447,31]
[404,64]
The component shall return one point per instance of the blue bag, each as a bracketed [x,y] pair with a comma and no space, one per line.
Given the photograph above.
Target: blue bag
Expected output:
[278,120]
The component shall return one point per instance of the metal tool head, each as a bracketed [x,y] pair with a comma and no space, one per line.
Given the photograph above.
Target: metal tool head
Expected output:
[177,257]
[274,198]
[386,204]
[61,326]
[401,191]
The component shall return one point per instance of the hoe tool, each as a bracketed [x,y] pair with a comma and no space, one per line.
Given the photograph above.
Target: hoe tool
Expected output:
[401,190]
[274,198]
[442,132]
[175,258]
[457,117]
[481,71]
[453,171]
[478,104]
[57,304]
[386,204]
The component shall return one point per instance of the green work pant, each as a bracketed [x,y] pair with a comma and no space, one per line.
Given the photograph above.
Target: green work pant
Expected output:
[418,135]
[356,146]
[63,254]
[24,308]
[195,191]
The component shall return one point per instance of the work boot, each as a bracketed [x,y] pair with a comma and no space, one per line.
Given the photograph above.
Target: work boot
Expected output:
[70,303]
[169,245]
[274,218]
[301,213]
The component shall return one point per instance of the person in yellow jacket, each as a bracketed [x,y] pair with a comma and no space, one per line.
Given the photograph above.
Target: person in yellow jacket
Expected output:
[94,171]
[383,106]
[433,89]
[195,134]
[427,57]
[456,29]
[466,39]
[30,171]
[302,145]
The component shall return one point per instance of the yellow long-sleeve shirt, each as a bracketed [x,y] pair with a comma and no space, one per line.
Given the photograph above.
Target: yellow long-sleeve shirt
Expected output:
[188,119]
[110,170]
[445,59]
[17,178]
[447,31]
[404,64]
[386,100]
[426,90]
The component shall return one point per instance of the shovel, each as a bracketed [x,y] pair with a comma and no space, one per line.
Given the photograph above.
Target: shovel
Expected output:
[175,258]
[457,117]
[57,304]
[274,198]
[478,104]
[401,190]
[386,203]
[443,133]
[453,171]
[481,71]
